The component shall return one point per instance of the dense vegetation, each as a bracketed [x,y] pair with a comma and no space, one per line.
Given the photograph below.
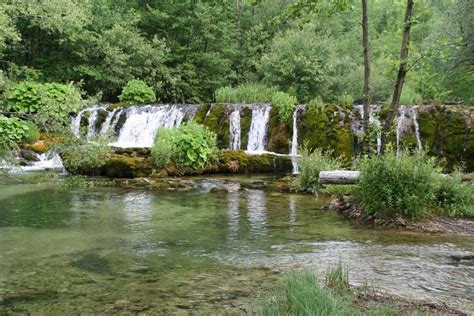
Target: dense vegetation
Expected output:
[185,50]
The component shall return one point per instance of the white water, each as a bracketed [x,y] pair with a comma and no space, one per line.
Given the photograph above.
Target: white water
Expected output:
[374,120]
[408,116]
[294,141]
[139,130]
[401,125]
[234,129]
[417,128]
[258,128]
[46,161]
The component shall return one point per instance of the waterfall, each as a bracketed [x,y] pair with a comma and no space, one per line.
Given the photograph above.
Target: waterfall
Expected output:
[401,124]
[142,123]
[417,128]
[294,141]
[92,128]
[373,119]
[258,128]
[234,129]
[108,121]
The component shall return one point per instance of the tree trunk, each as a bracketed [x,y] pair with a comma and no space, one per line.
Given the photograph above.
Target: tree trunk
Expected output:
[395,104]
[367,98]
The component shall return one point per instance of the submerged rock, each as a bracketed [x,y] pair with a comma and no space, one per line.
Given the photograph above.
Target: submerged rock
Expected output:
[92,263]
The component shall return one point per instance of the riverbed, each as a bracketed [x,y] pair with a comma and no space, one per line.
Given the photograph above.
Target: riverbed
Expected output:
[109,250]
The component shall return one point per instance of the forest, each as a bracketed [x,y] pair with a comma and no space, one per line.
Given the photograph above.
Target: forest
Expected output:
[186,50]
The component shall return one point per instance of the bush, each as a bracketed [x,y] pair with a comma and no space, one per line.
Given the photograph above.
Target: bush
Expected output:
[397,184]
[137,92]
[285,105]
[80,157]
[311,163]
[453,197]
[317,104]
[32,134]
[50,103]
[12,132]
[191,144]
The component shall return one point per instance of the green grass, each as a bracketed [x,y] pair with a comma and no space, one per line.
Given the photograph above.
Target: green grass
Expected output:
[302,294]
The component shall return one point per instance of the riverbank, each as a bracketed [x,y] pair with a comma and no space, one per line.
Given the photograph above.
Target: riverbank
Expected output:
[353,212]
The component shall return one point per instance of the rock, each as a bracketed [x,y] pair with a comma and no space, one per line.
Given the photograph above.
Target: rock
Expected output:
[28,155]
[39,147]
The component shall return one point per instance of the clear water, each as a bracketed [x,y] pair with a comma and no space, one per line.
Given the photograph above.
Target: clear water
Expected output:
[109,250]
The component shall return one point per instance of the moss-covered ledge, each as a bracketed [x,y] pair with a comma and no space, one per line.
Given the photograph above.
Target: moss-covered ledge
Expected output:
[137,163]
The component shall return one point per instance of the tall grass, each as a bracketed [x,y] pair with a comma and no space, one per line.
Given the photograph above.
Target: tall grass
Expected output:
[302,294]
[259,93]
[311,163]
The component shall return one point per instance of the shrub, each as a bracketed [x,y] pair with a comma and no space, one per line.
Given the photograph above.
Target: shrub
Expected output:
[191,144]
[285,105]
[32,134]
[50,103]
[453,197]
[137,92]
[311,163]
[80,157]
[397,184]
[345,100]
[317,103]
[12,132]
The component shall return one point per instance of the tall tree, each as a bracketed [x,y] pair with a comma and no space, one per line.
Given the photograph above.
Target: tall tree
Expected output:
[365,44]
[402,71]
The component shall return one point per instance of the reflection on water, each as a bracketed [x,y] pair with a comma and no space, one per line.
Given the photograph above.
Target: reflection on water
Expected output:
[61,251]
[257,212]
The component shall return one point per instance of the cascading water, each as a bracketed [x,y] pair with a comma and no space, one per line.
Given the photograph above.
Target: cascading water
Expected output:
[234,129]
[401,125]
[294,141]
[142,123]
[258,128]
[373,119]
[417,128]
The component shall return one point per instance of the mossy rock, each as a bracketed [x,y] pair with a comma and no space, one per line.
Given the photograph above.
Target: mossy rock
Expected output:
[201,113]
[278,133]
[120,122]
[84,123]
[345,143]
[121,166]
[468,155]
[218,121]
[245,122]
[101,117]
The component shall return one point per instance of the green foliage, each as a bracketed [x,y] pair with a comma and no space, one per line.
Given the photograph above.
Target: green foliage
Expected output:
[337,278]
[78,156]
[299,61]
[191,144]
[317,103]
[12,132]
[303,295]
[259,93]
[246,93]
[32,134]
[50,104]
[311,163]
[345,100]
[285,105]
[453,197]
[397,184]
[137,92]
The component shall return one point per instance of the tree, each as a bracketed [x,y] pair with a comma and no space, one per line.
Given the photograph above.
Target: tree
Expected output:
[365,44]
[402,71]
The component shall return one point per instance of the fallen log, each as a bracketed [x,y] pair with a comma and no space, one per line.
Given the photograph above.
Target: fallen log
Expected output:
[351,177]
[339,177]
